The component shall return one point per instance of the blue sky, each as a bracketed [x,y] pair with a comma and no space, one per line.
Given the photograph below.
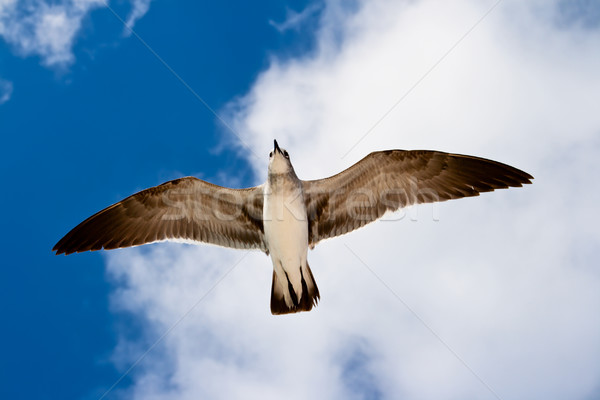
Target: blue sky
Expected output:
[89,115]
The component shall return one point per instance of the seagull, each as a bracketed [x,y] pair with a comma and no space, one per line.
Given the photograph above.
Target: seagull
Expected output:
[286,216]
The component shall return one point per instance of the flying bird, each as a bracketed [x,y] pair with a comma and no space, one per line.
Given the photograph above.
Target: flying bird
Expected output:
[286,216]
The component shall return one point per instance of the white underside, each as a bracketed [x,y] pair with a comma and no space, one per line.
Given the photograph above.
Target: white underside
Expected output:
[286,235]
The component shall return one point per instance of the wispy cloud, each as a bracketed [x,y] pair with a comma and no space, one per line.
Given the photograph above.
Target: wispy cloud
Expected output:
[49,29]
[507,280]
[6,89]
[294,19]
[139,8]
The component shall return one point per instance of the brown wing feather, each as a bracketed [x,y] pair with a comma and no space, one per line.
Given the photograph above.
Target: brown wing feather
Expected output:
[390,180]
[182,209]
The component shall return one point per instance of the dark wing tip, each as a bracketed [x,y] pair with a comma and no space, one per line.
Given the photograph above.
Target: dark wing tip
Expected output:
[59,247]
[491,173]
[528,178]
[520,177]
[63,247]
[92,234]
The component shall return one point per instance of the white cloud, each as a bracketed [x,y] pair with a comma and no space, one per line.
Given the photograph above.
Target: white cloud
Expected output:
[6,89]
[49,29]
[46,29]
[138,10]
[507,280]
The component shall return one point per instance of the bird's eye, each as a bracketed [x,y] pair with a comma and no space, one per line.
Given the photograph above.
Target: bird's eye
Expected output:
[271,154]
[285,154]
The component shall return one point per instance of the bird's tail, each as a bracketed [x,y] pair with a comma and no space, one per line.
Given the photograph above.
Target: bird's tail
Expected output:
[309,297]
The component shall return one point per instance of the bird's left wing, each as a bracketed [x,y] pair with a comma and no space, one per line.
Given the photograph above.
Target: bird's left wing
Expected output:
[186,209]
[389,180]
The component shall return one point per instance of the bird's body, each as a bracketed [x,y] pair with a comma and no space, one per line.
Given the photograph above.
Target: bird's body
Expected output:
[286,234]
[286,216]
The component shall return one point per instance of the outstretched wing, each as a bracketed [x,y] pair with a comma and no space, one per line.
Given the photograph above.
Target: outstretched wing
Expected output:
[389,180]
[186,209]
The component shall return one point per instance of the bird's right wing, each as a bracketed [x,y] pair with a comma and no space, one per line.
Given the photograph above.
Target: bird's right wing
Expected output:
[186,209]
[389,180]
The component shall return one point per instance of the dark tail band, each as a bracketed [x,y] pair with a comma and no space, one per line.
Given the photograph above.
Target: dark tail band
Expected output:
[309,298]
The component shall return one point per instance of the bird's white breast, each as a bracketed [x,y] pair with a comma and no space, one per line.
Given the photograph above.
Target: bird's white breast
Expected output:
[285,225]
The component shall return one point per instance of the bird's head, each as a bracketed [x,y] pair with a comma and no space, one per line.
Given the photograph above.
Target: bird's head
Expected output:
[279,161]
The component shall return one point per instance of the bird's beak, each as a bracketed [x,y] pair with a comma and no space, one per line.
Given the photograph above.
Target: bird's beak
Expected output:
[276,147]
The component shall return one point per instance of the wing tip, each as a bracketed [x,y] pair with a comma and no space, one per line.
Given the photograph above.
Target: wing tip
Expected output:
[63,251]
[58,249]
